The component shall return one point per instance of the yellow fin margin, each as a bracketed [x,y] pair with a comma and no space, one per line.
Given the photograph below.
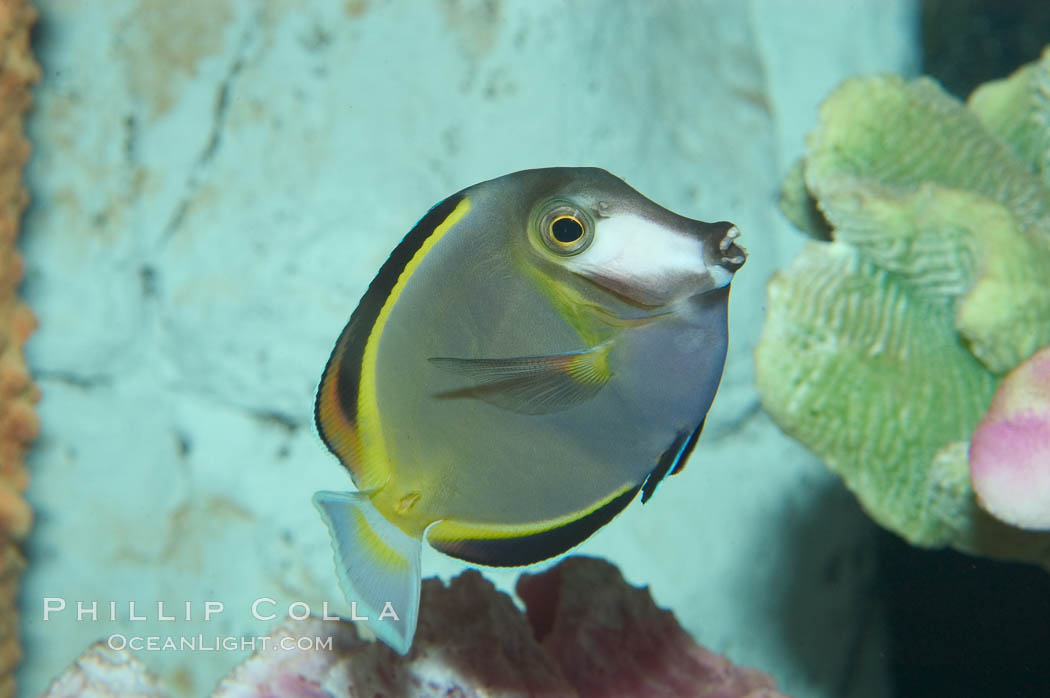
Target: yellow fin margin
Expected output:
[375,460]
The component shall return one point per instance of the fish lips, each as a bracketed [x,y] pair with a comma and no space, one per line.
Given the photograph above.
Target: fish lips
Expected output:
[720,248]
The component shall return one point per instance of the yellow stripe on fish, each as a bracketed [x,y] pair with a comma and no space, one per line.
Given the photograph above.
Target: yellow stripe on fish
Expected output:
[338,394]
[376,467]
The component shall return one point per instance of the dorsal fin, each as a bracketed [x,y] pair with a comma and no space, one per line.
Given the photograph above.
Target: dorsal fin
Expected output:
[335,408]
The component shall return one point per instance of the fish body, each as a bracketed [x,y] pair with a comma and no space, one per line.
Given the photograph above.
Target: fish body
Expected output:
[538,349]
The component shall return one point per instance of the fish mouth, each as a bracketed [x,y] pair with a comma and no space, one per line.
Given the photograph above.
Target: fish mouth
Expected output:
[721,249]
[634,308]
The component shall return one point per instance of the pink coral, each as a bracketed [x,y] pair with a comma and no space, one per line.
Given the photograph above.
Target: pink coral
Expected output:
[587,634]
[1010,449]
[102,672]
[293,670]
[471,642]
[611,640]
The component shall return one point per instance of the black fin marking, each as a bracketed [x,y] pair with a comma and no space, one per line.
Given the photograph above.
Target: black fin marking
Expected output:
[526,550]
[689,446]
[672,460]
[663,466]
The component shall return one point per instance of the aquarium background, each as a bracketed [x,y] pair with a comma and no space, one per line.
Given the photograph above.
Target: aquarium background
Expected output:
[215,182]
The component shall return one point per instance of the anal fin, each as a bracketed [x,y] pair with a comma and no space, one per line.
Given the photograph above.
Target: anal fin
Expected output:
[511,546]
[377,564]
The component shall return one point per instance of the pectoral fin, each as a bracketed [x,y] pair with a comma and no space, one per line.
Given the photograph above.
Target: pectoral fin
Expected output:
[532,384]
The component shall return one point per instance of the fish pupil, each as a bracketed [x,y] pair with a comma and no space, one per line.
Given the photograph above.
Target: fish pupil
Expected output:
[566,230]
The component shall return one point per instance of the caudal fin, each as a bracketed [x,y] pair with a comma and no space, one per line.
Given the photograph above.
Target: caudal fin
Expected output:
[377,565]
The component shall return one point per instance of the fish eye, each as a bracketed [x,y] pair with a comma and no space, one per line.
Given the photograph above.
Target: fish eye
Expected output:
[566,230]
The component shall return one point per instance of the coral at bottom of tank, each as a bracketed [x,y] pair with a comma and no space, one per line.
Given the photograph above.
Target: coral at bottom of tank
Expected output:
[584,632]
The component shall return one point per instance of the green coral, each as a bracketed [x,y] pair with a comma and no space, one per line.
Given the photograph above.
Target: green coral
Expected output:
[883,347]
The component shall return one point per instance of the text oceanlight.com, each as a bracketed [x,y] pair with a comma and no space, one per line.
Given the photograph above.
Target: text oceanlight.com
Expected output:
[215,643]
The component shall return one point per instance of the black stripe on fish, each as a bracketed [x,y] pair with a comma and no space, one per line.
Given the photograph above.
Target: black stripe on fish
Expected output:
[349,350]
[526,550]
[671,461]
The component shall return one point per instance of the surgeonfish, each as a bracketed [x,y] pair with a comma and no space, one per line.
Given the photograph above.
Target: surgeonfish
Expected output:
[537,350]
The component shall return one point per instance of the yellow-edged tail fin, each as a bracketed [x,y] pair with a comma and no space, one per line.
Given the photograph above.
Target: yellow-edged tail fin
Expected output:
[377,565]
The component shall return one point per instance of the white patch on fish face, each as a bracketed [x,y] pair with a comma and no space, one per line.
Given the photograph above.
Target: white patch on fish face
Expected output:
[646,262]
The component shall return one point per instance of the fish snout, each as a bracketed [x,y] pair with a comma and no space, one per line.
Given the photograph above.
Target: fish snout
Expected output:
[720,248]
